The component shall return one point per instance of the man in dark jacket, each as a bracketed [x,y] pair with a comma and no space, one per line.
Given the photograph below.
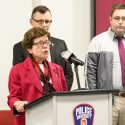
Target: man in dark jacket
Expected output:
[41,17]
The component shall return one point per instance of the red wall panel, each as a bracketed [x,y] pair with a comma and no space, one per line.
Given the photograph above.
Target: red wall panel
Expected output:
[102,13]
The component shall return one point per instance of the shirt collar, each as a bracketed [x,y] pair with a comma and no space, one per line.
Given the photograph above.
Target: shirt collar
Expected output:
[112,34]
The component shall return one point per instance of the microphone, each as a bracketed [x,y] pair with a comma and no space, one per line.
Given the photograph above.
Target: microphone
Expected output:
[71,58]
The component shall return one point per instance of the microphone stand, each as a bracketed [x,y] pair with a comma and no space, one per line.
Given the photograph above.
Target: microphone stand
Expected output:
[77,75]
[77,78]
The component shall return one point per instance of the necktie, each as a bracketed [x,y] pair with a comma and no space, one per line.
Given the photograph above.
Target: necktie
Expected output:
[122,58]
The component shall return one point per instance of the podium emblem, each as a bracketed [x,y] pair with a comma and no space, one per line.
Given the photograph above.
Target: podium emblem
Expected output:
[83,114]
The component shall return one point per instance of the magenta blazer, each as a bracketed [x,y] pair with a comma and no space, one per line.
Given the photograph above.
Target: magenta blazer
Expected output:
[24,84]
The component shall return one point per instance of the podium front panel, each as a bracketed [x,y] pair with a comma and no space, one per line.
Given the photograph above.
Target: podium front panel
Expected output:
[102,104]
[40,114]
[58,110]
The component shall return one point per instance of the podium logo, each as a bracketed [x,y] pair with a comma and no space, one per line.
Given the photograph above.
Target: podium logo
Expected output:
[83,114]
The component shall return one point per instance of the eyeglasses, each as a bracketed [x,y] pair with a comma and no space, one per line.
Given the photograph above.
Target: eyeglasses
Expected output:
[117,18]
[42,21]
[42,43]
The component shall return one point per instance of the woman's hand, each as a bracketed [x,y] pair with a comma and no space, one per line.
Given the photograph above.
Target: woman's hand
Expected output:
[19,105]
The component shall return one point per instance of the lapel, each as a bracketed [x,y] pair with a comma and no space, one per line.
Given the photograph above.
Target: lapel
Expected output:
[32,73]
[23,50]
[53,49]
[54,73]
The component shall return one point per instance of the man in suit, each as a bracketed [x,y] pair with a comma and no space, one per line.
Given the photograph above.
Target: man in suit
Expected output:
[41,17]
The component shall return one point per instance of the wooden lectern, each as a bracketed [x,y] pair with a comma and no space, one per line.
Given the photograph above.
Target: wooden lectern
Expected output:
[63,108]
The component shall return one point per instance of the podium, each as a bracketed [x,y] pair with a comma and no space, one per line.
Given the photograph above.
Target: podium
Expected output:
[68,108]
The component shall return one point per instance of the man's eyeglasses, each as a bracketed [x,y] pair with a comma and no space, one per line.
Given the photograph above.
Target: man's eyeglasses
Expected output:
[42,21]
[42,43]
[117,18]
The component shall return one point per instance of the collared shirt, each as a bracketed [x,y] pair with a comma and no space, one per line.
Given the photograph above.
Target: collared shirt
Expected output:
[117,76]
[107,41]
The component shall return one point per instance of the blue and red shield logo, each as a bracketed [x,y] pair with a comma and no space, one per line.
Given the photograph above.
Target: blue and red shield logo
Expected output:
[83,114]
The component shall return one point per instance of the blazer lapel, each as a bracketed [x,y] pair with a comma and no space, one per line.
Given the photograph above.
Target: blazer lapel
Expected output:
[53,50]
[32,73]
[54,73]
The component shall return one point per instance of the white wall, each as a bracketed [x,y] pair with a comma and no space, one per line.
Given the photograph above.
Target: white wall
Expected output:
[14,21]
[82,33]
[71,22]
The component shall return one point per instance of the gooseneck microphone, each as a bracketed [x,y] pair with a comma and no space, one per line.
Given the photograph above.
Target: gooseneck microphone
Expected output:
[71,58]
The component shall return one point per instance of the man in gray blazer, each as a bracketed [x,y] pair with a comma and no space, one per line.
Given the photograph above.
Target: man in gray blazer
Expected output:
[41,17]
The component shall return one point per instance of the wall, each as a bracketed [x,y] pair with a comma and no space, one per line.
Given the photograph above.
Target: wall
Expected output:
[103,7]
[14,21]
[71,22]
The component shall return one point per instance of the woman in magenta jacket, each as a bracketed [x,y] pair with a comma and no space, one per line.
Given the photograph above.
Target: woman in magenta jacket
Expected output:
[34,77]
